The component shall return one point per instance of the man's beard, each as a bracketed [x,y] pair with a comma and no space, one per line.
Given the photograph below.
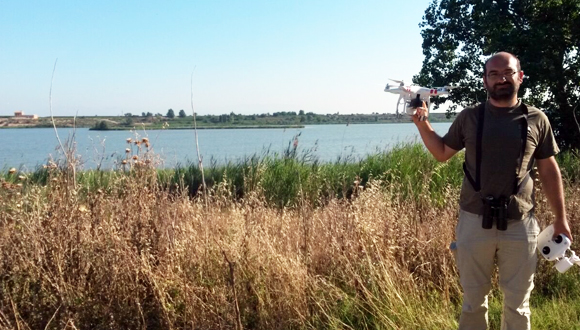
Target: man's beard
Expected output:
[502,92]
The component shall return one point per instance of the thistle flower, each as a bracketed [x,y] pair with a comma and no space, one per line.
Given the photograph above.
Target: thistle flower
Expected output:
[21,177]
[12,170]
[124,162]
[145,140]
[135,157]
[129,140]
[127,150]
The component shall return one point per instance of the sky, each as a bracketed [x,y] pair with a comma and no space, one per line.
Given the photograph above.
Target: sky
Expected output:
[247,56]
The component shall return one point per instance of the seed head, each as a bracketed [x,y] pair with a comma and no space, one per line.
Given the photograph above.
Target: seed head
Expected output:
[21,177]
[145,140]
[12,170]
[124,162]
[127,150]
[135,157]
[129,140]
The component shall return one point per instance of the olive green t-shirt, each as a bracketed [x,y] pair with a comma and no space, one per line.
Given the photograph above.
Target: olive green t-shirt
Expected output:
[501,150]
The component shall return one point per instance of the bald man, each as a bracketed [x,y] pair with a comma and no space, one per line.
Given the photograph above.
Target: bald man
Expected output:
[503,138]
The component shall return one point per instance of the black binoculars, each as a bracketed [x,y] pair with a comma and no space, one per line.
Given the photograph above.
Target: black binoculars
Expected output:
[495,210]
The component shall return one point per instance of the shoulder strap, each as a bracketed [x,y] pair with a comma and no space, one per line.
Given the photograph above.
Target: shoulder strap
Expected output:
[476,184]
[524,140]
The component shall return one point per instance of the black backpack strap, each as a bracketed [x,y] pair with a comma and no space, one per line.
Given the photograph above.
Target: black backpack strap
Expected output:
[476,184]
[524,140]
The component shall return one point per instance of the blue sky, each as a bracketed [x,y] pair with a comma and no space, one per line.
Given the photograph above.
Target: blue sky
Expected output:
[249,57]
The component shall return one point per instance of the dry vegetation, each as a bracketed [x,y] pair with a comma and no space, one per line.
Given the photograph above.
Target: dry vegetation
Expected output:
[137,256]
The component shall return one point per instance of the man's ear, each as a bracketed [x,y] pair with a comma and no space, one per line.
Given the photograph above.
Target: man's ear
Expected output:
[521,76]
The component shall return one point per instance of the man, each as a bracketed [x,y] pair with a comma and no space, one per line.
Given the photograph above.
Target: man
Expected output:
[502,139]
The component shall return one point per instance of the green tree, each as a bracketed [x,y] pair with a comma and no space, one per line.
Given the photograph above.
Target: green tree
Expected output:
[102,126]
[182,114]
[458,35]
[170,113]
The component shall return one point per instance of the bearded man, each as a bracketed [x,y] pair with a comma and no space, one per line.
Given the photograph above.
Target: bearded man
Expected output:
[503,138]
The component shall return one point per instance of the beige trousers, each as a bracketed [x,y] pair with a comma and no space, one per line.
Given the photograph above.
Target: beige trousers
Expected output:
[515,249]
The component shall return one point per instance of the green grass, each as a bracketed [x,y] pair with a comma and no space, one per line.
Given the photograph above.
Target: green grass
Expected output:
[291,176]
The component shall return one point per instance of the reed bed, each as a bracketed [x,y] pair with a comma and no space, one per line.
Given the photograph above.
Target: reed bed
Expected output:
[129,250]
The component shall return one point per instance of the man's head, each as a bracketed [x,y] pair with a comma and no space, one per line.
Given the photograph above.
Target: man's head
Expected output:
[502,76]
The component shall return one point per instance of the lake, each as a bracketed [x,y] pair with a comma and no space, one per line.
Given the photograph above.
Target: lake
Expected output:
[27,148]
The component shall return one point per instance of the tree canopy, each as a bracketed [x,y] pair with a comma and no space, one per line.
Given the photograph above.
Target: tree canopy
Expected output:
[458,35]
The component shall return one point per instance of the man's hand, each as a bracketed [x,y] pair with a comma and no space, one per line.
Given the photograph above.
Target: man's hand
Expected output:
[421,114]
[562,227]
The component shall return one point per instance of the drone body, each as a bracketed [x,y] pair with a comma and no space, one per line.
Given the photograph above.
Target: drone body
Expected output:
[413,95]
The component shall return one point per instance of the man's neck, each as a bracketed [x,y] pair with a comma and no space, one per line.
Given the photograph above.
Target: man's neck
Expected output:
[504,104]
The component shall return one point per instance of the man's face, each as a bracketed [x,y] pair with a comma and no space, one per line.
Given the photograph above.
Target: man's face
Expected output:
[503,79]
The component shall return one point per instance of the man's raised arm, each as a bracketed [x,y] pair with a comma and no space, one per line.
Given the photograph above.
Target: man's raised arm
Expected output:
[432,141]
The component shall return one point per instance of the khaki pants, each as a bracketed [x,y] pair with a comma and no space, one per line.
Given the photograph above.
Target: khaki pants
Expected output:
[515,249]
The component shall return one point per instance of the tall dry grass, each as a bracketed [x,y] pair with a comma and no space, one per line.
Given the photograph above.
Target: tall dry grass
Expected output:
[137,256]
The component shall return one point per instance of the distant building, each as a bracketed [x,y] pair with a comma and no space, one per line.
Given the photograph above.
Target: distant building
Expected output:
[21,115]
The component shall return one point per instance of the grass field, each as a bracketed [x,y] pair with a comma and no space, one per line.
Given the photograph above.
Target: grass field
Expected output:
[276,242]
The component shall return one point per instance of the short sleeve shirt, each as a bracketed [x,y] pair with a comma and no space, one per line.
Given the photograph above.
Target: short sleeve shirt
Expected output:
[501,151]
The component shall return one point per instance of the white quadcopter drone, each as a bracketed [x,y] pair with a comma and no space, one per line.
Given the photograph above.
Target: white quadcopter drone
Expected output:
[413,96]
[554,249]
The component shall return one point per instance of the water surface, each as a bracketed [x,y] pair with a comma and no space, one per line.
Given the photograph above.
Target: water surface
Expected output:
[30,147]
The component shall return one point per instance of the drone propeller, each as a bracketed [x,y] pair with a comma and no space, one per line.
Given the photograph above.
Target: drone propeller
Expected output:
[397,81]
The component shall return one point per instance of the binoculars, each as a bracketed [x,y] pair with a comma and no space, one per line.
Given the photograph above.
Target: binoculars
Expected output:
[495,210]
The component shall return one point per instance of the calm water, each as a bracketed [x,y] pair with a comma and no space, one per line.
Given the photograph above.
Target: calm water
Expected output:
[28,148]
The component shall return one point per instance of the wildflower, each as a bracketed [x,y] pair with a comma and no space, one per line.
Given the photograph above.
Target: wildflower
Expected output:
[124,162]
[145,140]
[129,140]
[135,157]
[147,144]
[137,143]
[12,170]
[21,177]
[127,150]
